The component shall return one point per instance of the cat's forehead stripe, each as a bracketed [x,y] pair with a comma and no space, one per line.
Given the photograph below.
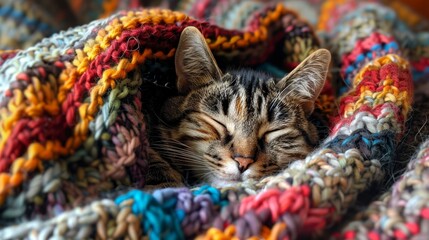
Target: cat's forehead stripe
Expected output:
[239,106]
[253,88]
[225,104]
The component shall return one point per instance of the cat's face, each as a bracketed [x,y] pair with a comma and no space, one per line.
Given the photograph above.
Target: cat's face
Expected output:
[240,125]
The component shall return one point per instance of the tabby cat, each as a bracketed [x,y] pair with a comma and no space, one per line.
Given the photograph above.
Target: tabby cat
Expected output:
[225,128]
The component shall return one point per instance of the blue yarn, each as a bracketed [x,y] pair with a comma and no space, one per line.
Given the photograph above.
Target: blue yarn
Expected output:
[162,194]
[209,190]
[368,56]
[169,198]
[349,139]
[420,74]
[160,219]
[350,69]
[367,141]
[8,11]
[181,214]
[5,10]
[342,90]
[360,58]
[214,193]
[270,68]
[373,145]
[376,47]
[383,220]
[391,45]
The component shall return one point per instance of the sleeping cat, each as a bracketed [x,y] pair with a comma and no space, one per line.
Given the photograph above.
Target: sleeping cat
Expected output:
[242,125]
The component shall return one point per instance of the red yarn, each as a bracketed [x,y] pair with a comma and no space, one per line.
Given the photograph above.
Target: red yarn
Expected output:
[293,200]
[371,80]
[425,213]
[413,227]
[27,131]
[373,235]
[400,235]
[6,55]
[349,235]
[363,46]
[421,64]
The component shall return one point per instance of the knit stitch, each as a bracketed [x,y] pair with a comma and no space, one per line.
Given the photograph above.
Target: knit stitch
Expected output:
[85,83]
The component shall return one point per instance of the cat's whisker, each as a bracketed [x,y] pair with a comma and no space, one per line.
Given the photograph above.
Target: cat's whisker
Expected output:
[183,158]
[200,170]
[173,144]
[186,161]
[173,141]
[270,170]
[172,148]
[211,160]
[161,120]
[203,175]
[175,151]
[179,153]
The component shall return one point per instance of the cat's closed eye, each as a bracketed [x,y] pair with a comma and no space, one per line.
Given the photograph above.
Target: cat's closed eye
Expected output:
[219,127]
[275,133]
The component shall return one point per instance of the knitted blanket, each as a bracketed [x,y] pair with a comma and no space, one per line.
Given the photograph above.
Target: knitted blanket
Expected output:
[73,135]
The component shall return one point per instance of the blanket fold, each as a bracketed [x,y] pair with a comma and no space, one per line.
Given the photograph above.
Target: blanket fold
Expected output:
[73,131]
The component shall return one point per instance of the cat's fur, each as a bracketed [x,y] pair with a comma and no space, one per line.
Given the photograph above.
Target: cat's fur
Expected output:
[226,128]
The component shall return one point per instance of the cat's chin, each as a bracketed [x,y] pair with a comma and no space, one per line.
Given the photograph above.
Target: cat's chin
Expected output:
[232,180]
[221,183]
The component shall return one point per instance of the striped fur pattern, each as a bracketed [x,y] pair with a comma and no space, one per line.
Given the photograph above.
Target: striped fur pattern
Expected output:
[238,126]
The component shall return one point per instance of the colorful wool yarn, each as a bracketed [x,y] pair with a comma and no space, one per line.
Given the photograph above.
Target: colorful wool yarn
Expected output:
[85,83]
[369,31]
[24,23]
[299,39]
[400,213]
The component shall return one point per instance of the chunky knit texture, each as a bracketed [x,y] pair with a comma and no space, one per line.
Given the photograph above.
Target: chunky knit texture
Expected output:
[73,133]
[24,22]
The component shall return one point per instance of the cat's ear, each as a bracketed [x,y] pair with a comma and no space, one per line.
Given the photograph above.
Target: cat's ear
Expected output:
[195,64]
[307,79]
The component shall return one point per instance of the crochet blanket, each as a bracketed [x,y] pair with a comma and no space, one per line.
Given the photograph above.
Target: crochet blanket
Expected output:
[73,135]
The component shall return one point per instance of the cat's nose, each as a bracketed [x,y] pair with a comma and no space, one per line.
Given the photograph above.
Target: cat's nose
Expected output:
[244,162]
